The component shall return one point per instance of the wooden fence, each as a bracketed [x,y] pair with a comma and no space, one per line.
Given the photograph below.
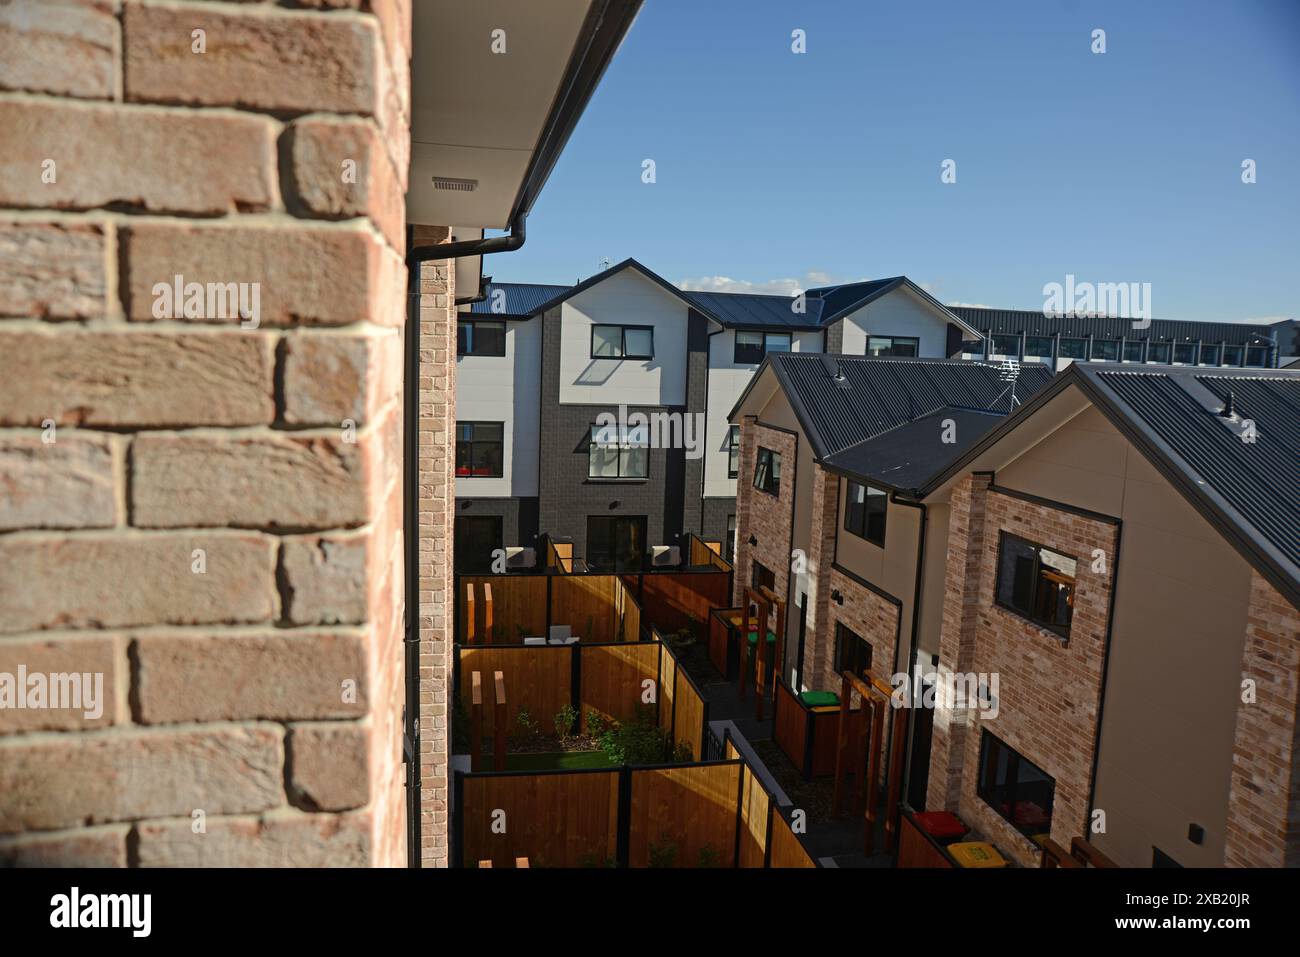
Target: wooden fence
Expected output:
[680,600]
[683,710]
[700,553]
[506,609]
[916,848]
[808,736]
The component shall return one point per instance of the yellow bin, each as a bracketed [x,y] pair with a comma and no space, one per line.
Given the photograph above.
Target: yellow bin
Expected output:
[976,854]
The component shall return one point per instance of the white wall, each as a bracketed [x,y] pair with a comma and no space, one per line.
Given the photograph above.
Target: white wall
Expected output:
[629,299]
[898,313]
[505,389]
[727,381]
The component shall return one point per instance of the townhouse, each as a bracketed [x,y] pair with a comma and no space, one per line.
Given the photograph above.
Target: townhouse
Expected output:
[1115,567]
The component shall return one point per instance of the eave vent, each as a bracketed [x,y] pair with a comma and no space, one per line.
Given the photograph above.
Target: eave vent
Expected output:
[457,185]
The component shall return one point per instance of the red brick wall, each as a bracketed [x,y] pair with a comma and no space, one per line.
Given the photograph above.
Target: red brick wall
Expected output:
[1049,691]
[819,637]
[1264,800]
[135,450]
[769,518]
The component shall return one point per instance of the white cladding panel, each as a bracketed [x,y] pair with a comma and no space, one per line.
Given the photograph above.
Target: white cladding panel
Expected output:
[505,389]
[897,313]
[626,299]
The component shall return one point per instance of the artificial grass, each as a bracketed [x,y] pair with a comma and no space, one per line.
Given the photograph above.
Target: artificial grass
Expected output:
[557,761]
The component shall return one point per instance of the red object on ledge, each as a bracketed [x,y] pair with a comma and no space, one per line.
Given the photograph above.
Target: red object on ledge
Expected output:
[941,825]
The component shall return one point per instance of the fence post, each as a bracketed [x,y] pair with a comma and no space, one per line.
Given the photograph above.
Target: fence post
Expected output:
[476,722]
[499,720]
[575,683]
[624,846]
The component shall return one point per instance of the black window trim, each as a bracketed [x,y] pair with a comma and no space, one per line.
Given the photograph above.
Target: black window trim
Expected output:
[915,340]
[843,631]
[620,478]
[733,431]
[482,322]
[982,788]
[1062,635]
[473,442]
[622,340]
[763,333]
[774,456]
[848,491]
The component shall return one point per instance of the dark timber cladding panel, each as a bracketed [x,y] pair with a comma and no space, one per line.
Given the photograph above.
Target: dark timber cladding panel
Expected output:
[614,676]
[689,810]
[562,819]
[537,679]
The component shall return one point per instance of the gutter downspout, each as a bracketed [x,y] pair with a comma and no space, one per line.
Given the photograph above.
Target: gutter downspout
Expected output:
[411,492]
[916,620]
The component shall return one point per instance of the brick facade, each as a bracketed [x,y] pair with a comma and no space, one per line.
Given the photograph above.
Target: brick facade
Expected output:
[1264,800]
[819,629]
[205,511]
[768,518]
[1049,689]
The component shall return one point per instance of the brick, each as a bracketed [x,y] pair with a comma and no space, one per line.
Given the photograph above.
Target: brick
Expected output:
[319,149]
[57,781]
[220,676]
[327,764]
[53,270]
[280,483]
[64,484]
[129,156]
[93,659]
[113,581]
[86,847]
[325,580]
[66,47]
[332,378]
[264,59]
[135,378]
[308,275]
[283,839]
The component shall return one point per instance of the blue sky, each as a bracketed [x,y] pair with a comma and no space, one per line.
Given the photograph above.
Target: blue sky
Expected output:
[777,171]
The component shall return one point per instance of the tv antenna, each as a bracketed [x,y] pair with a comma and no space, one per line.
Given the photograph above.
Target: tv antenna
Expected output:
[1009,372]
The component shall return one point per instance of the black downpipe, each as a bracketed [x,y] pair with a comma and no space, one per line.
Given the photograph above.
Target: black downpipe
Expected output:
[471,247]
[411,543]
[911,658]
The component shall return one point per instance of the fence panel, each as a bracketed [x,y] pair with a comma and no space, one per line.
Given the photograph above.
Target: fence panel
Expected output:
[537,679]
[557,819]
[690,810]
[667,686]
[518,607]
[689,716]
[754,805]
[613,677]
[787,851]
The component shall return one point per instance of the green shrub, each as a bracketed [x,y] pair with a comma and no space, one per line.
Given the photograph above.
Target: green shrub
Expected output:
[595,723]
[565,719]
[525,727]
[663,853]
[709,857]
[639,742]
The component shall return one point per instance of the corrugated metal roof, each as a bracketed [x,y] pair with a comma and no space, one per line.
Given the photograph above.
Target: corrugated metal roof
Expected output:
[876,395]
[739,310]
[903,458]
[521,298]
[1014,321]
[1260,480]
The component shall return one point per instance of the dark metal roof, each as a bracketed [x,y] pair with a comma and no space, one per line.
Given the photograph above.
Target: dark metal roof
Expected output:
[1259,480]
[904,457]
[873,396]
[741,310]
[521,299]
[1014,321]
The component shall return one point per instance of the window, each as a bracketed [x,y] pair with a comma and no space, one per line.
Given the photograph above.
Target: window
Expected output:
[1036,583]
[751,347]
[480,338]
[1256,356]
[1038,345]
[852,652]
[1232,355]
[1105,349]
[615,543]
[1006,345]
[477,536]
[729,544]
[893,346]
[762,577]
[479,451]
[622,342]
[1209,355]
[1074,349]
[733,451]
[1158,352]
[1015,787]
[865,509]
[1185,353]
[1133,351]
[767,471]
[617,452]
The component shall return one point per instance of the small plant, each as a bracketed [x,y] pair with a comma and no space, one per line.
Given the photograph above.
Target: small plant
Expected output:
[708,857]
[683,753]
[525,726]
[595,723]
[663,853]
[565,719]
[639,742]
[591,860]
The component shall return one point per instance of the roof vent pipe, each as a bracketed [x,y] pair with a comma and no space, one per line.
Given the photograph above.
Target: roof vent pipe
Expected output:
[1229,410]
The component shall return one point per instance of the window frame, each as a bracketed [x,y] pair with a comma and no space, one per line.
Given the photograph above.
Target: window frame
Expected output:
[1063,352]
[843,632]
[1038,340]
[623,447]
[622,341]
[985,790]
[773,466]
[1160,346]
[729,542]
[463,524]
[1061,632]
[474,442]
[868,490]
[470,324]
[1094,352]
[763,348]
[894,340]
[993,344]
[733,452]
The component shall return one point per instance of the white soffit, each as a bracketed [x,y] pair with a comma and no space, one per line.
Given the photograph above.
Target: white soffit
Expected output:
[477,115]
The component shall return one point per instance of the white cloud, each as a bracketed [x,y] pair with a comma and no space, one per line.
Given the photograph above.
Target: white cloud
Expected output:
[970,305]
[771,287]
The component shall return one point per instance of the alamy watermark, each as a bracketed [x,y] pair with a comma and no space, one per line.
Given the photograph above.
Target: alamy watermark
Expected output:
[56,691]
[656,430]
[213,300]
[950,690]
[1110,300]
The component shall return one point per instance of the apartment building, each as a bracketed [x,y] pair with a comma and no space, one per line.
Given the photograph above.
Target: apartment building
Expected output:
[539,365]
[1115,568]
